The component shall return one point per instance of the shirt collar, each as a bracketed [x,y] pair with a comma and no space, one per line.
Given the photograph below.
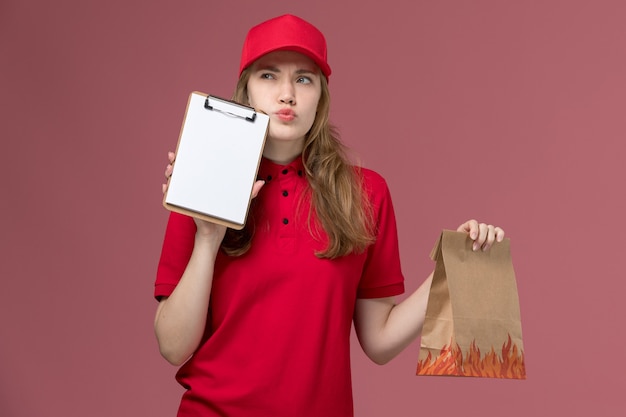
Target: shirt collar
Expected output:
[269,169]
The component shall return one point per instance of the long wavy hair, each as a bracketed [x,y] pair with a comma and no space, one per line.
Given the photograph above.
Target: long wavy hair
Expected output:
[339,204]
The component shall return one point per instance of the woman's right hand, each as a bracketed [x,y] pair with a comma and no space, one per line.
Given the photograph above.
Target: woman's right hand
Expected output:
[205,228]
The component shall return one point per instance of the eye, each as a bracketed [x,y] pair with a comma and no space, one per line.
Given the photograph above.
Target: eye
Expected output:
[304,80]
[267,76]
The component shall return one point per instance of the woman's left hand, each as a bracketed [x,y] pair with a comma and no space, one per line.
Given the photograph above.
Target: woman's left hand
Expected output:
[483,235]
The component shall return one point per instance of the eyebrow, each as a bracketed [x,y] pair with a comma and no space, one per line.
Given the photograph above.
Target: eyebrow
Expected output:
[273,68]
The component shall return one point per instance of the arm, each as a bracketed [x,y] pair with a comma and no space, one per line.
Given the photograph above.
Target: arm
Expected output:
[181,318]
[385,328]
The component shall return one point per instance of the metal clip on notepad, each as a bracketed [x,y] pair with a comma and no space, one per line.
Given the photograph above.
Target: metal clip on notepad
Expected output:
[230,108]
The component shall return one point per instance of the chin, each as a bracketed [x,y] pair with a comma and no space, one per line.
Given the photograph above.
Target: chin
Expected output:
[285,136]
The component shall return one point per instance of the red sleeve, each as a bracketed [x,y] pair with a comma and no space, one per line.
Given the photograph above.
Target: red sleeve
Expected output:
[175,254]
[382,274]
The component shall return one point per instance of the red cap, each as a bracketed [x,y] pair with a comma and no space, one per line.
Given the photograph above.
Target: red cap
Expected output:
[285,33]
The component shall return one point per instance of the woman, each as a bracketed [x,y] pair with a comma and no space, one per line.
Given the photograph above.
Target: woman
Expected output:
[261,318]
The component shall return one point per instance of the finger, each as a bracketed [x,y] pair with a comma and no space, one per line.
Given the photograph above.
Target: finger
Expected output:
[164,188]
[483,233]
[168,171]
[491,237]
[257,187]
[171,156]
[499,234]
[470,227]
[463,228]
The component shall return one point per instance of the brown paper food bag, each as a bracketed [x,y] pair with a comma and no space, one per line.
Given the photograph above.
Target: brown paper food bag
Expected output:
[472,325]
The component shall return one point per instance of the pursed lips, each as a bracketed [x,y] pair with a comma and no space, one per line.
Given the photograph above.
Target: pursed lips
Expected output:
[286,115]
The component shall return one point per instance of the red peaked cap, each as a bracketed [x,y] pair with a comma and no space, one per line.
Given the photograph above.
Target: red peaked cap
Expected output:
[285,33]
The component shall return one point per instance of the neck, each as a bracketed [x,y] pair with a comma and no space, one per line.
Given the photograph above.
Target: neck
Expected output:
[283,152]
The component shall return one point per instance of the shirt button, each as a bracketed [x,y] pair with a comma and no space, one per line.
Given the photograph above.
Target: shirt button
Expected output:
[285,171]
[269,177]
[285,193]
[285,221]
[299,172]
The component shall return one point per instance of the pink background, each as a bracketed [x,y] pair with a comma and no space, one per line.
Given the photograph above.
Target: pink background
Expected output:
[508,111]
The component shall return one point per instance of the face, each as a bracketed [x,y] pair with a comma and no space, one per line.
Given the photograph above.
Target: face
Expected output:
[286,85]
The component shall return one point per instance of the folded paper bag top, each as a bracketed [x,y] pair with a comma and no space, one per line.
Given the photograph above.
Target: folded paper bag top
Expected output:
[472,325]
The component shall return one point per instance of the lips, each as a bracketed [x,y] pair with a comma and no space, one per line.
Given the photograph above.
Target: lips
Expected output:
[285,115]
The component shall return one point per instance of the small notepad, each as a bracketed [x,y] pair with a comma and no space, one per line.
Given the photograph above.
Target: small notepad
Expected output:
[217,159]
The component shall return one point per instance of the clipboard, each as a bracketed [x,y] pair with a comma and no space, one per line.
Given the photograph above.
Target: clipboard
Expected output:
[217,159]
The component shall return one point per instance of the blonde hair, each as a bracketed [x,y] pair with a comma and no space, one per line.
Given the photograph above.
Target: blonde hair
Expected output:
[338,202]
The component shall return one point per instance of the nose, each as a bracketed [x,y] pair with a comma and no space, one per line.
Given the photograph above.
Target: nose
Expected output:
[287,93]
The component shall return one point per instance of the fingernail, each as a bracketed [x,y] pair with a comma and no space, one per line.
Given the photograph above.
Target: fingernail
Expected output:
[474,247]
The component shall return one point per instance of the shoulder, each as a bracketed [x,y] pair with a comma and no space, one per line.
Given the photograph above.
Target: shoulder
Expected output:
[376,191]
[373,182]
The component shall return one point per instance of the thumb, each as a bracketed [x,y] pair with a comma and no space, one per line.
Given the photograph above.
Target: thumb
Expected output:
[257,187]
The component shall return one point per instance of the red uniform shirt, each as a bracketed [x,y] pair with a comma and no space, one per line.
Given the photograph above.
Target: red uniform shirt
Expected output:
[279,320]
